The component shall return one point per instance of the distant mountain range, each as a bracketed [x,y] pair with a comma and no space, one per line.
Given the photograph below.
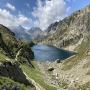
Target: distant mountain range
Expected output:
[31,34]
[20,32]
[37,33]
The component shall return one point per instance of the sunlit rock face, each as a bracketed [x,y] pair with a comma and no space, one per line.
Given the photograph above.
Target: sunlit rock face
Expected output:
[12,70]
[71,30]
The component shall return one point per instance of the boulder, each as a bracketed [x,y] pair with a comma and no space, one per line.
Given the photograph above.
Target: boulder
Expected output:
[13,71]
[50,69]
[58,61]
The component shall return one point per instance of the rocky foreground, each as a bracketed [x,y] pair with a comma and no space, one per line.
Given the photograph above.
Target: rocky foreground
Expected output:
[77,78]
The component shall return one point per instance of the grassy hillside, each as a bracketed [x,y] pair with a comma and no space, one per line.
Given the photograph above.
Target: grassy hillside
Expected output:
[82,52]
[36,75]
[9,47]
[8,42]
[8,84]
[2,57]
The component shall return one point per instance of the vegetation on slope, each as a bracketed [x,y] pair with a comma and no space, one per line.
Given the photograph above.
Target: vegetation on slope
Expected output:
[9,47]
[82,50]
[8,84]
[2,57]
[36,75]
[8,42]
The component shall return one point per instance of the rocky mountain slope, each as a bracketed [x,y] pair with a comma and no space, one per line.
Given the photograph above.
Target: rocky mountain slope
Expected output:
[17,71]
[31,34]
[8,42]
[9,65]
[20,32]
[71,30]
[12,70]
[72,73]
[36,33]
[73,33]
[52,28]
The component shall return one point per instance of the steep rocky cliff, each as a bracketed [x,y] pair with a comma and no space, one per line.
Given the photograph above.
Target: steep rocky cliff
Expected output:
[52,28]
[71,30]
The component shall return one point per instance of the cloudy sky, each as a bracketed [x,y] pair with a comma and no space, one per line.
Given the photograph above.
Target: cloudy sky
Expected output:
[41,13]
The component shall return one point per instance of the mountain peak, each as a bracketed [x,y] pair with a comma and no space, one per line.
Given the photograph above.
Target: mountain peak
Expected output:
[4,30]
[71,29]
[37,33]
[35,28]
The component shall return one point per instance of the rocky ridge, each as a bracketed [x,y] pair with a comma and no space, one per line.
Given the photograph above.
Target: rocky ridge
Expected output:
[71,30]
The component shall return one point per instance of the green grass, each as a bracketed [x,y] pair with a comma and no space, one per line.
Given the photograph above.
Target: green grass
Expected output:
[82,53]
[2,57]
[10,83]
[36,75]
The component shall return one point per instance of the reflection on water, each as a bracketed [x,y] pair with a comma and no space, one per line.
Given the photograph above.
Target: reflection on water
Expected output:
[50,53]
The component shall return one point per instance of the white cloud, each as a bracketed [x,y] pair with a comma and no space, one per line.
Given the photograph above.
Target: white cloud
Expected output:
[11,7]
[51,11]
[22,19]
[7,19]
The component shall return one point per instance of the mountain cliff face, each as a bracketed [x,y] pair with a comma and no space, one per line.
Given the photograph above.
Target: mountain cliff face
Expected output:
[36,33]
[71,30]
[52,28]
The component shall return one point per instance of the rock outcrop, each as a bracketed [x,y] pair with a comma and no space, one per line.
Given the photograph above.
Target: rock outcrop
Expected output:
[13,71]
[25,54]
[52,28]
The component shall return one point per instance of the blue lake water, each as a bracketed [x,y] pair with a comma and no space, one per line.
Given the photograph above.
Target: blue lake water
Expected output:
[49,53]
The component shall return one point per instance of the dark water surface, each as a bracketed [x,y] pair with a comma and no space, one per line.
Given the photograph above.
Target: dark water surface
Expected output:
[50,53]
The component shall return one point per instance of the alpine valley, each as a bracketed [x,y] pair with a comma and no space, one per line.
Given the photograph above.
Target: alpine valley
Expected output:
[20,48]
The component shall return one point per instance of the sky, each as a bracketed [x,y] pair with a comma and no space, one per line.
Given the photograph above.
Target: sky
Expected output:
[37,13]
